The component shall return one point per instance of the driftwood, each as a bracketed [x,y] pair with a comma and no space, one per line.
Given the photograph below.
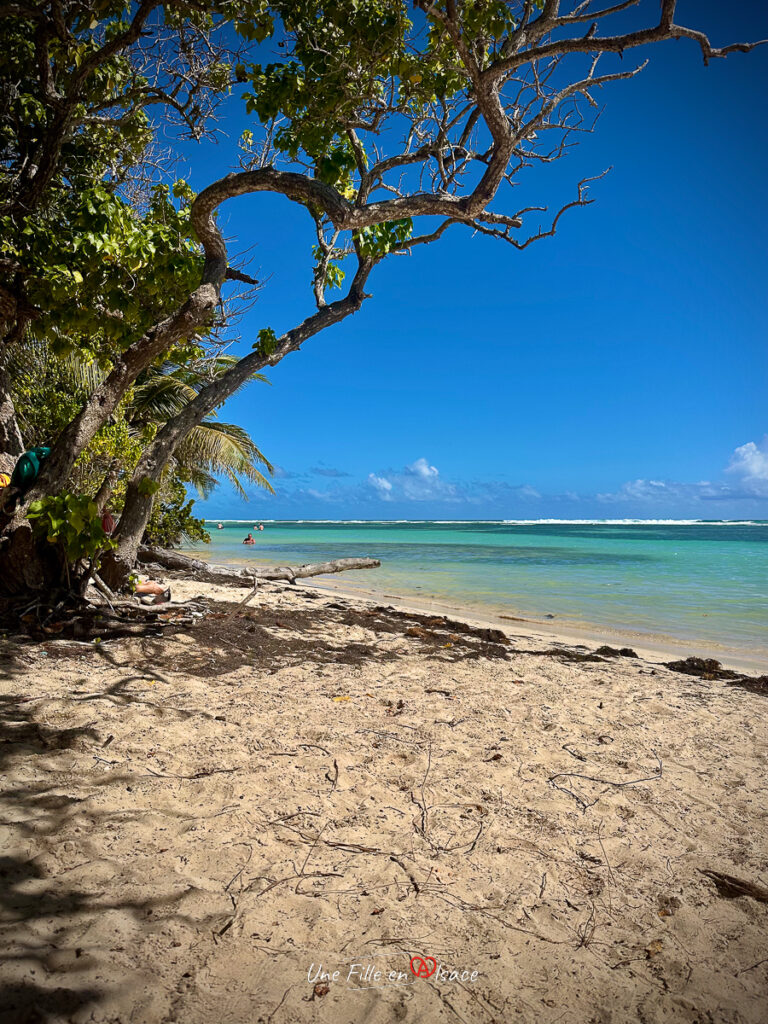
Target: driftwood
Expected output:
[729,887]
[102,615]
[229,576]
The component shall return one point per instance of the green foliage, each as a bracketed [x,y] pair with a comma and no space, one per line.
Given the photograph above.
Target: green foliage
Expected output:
[73,522]
[255,21]
[100,147]
[319,88]
[172,521]
[214,449]
[267,342]
[334,276]
[380,239]
[48,390]
[116,444]
[148,486]
[102,255]
[348,60]
[99,272]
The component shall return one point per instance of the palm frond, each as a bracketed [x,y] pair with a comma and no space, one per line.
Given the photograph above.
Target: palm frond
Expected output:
[240,436]
[225,449]
[203,482]
[160,396]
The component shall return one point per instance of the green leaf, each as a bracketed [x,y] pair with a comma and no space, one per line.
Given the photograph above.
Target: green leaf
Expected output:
[148,486]
[267,342]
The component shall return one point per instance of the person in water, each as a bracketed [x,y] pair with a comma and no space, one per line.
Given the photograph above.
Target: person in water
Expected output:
[249,540]
[220,526]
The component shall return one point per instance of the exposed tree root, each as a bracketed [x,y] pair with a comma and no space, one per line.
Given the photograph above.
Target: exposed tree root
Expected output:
[89,609]
[96,616]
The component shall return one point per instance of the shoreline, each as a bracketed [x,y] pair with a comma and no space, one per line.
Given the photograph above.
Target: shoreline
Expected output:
[501,522]
[648,645]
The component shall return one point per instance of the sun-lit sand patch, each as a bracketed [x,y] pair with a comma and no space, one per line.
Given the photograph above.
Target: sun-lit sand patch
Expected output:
[264,819]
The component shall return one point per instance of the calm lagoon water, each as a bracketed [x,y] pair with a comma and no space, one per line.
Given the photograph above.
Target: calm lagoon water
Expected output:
[699,582]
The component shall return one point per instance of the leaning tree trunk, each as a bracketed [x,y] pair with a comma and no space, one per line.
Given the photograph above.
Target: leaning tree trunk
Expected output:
[17,573]
[11,443]
[107,484]
[137,509]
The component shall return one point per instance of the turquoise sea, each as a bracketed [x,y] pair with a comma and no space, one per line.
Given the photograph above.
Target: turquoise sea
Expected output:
[700,582]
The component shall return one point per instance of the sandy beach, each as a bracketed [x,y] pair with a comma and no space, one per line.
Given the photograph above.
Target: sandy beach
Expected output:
[282,813]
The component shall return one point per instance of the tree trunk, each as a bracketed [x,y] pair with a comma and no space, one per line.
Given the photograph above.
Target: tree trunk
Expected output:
[11,443]
[139,499]
[107,484]
[8,307]
[29,568]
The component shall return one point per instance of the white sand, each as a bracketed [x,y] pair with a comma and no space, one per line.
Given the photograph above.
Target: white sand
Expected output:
[186,833]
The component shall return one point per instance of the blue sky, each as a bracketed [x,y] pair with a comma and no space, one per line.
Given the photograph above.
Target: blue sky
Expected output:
[619,369]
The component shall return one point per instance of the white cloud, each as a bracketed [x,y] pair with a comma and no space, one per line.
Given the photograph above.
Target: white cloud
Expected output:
[419,481]
[750,462]
[421,486]
[381,485]
[422,468]
[281,473]
[641,490]
[671,493]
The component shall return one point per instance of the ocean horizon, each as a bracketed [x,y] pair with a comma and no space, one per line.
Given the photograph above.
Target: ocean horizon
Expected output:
[699,582]
[512,522]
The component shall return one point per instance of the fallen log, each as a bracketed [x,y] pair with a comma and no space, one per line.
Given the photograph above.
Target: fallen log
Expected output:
[169,559]
[300,572]
[229,576]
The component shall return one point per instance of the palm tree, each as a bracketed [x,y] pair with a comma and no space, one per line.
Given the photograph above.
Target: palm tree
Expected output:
[211,449]
[49,387]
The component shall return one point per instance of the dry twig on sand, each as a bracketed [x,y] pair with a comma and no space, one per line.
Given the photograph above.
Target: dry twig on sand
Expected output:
[584,804]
